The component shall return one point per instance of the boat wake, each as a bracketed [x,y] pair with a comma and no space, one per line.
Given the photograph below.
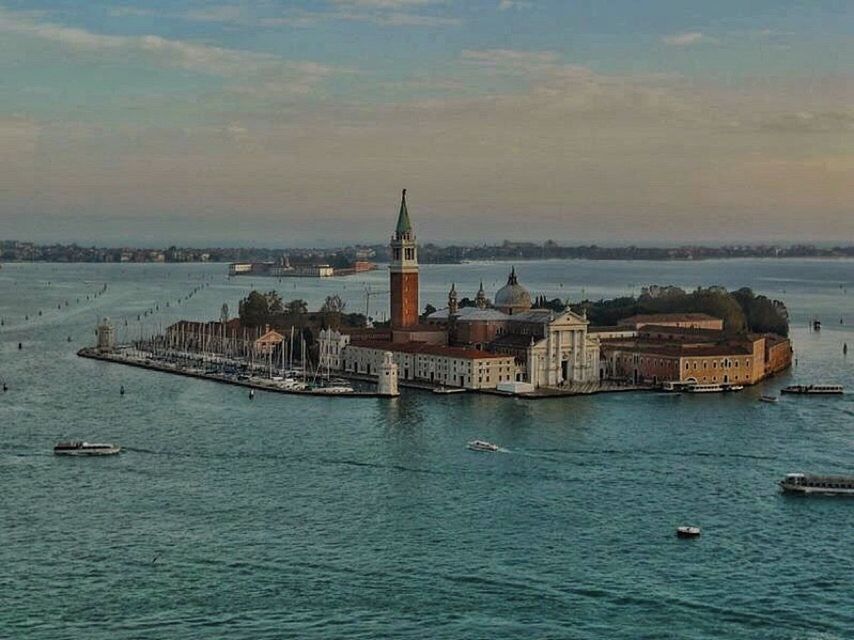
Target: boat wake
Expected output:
[646,452]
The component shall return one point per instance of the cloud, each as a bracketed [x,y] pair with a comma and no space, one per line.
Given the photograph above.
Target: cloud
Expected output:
[388,13]
[178,54]
[809,122]
[686,39]
[507,5]
[511,60]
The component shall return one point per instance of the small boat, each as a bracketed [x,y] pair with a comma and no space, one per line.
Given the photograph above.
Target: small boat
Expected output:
[334,389]
[77,448]
[482,445]
[688,532]
[448,390]
[293,385]
[770,399]
[733,387]
[804,484]
[813,389]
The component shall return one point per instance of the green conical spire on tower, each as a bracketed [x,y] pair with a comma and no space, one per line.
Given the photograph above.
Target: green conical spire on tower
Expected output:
[403,223]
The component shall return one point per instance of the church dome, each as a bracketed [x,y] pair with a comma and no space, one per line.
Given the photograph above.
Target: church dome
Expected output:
[512,297]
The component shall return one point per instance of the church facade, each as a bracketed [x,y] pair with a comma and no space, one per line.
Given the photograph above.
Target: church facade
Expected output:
[505,345]
[550,349]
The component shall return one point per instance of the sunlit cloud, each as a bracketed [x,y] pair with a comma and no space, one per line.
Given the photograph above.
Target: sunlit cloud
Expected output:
[686,39]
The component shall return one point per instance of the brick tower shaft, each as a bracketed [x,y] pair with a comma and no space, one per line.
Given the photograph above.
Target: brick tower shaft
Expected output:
[403,272]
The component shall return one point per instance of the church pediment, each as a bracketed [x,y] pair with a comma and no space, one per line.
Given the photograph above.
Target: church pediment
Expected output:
[569,320]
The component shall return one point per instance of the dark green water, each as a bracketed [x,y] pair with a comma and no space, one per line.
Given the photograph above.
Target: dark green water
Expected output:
[338,518]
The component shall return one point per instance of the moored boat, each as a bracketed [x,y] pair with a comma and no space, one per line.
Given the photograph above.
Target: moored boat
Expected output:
[482,445]
[448,390]
[807,484]
[706,388]
[813,389]
[78,448]
[334,389]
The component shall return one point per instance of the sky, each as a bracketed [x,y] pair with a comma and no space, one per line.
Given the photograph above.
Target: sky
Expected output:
[296,123]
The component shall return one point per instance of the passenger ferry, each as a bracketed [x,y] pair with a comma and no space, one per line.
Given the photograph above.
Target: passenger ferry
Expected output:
[813,389]
[714,388]
[692,386]
[677,385]
[77,448]
[822,485]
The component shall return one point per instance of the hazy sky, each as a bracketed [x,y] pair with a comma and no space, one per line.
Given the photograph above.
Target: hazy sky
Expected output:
[280,123]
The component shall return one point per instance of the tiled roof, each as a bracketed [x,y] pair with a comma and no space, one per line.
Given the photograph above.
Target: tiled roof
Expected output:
[685,351]
[513,340]
[535,315]
[683,331]
[470,314]
[652,318]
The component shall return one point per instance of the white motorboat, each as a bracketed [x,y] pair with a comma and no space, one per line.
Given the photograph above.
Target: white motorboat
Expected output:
[688,532]
[335,389]
[482,445]
[448,390]
[77,448]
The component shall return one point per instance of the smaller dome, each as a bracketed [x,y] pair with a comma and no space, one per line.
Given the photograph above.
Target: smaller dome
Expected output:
[513,296]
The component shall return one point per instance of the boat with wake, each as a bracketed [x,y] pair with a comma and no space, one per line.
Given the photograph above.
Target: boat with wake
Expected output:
[448,390]
[79,448]
[483,445]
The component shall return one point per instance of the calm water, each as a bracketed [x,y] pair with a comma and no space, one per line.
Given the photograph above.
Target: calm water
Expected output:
[299,517]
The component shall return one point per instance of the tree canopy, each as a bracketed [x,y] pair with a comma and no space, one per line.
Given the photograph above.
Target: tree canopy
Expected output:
[741,310]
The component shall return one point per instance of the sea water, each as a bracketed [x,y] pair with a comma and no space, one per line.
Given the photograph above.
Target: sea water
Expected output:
[287,516]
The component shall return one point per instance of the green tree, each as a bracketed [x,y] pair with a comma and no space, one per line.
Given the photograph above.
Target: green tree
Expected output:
[297,307]
[333,304]
[254,310]
[274,302]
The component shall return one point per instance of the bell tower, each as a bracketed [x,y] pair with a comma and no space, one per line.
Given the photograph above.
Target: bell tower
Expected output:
[403,272]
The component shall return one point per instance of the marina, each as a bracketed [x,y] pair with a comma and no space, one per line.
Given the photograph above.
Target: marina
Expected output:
[252,382]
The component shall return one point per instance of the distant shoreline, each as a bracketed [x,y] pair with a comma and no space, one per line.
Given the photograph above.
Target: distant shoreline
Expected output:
[12,251]
[817,258]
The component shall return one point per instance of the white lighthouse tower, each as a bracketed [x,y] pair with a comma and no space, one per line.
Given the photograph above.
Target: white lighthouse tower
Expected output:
[387,379]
